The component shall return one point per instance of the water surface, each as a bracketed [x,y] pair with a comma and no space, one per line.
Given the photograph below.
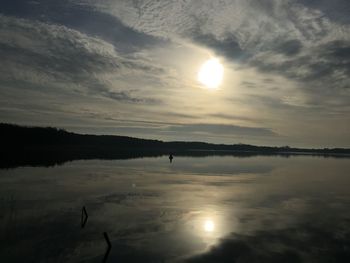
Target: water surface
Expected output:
[202,209]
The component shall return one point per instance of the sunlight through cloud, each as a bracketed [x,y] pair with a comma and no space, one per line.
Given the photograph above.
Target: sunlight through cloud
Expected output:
[211,73]
[209,226]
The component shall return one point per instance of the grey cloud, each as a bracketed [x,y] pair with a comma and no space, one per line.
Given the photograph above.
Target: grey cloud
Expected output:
[300,41]
[228,47]
[302,244]
[289,48]
[192,131]
[326,66]
[51,48]
[298,31]
[97,88]
[228,22]
[231,117]
[84,46]
[278,103]
[222,129]
[83,18]
[333,58]
[249,84]
[339,50]
[268,80]
[53,55]
[336,10]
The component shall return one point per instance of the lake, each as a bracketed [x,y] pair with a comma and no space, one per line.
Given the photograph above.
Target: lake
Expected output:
[195,209]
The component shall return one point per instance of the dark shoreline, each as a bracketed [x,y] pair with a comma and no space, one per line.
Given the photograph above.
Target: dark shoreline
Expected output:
[34,146]
[52,157]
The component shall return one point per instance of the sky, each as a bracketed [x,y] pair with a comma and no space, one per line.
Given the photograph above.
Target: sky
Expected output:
[130,67]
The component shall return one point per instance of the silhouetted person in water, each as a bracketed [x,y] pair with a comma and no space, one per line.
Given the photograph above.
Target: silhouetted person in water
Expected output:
[171,158]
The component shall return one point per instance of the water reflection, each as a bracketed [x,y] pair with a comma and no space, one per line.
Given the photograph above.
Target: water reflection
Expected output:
[213,209]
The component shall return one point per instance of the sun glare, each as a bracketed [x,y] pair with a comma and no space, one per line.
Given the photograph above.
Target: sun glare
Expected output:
[211,73]
[209,226]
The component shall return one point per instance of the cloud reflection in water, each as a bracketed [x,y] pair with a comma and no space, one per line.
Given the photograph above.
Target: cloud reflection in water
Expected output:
[294,210]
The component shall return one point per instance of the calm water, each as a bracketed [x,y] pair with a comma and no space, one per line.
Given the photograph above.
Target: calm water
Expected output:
[212,209]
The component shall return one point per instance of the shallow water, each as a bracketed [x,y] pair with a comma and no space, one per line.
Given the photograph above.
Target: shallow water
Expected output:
[208,209]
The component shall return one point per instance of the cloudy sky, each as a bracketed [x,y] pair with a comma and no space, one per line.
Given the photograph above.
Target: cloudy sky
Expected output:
[130,67]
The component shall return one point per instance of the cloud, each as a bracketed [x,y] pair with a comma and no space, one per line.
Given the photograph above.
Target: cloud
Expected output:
[221,129]
[227,47]
[231,117]
[284,245]
[237,250]
[290,47]
[83,18]
[326,66]
[292,39]
[292,55]
[336,10]
[274,21]
[54,55]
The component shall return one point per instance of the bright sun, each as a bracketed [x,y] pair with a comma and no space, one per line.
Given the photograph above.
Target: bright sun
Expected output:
[209,226]
[210,74]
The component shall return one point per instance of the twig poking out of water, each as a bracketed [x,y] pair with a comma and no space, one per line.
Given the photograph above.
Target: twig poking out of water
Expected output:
[84,217]
[108,248]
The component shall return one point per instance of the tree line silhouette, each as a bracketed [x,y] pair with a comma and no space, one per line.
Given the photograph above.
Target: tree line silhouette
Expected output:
[24,145]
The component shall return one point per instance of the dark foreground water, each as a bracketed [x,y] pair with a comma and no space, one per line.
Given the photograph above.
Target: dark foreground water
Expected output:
[212,209]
